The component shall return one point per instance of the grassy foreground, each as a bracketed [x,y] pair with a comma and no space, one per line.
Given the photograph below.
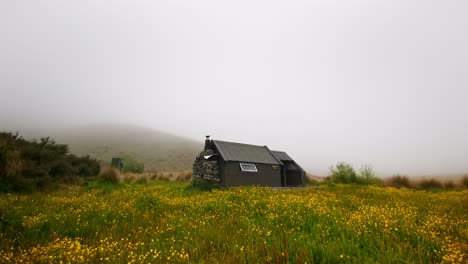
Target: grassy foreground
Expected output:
[171,222]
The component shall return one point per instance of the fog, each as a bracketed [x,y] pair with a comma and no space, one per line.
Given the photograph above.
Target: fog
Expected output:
[367,82]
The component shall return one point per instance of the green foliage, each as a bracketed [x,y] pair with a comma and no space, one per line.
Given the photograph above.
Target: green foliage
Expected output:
[86,166]
[27,165]
[343,173]
[367,175]
[366,171]
[133,166]
[202,186]
[10,163]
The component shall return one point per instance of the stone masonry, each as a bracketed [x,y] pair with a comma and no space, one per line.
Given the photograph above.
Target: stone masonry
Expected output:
[205,170]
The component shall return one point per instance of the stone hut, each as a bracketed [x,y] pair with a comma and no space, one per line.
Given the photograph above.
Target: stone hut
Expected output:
[237,164]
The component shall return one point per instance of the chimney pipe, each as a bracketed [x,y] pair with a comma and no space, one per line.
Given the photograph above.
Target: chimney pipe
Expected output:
[207,142]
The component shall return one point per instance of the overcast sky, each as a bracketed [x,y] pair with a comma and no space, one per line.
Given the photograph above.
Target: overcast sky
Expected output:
[379,82]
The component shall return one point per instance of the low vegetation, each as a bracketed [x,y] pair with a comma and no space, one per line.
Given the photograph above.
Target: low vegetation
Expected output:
[173,222]
[110,175]
[131,165]
[113,176]
[28,165]
[399,181]
[345,173]
[157,150]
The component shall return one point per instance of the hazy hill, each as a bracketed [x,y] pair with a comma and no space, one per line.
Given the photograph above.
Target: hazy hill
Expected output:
[158,150]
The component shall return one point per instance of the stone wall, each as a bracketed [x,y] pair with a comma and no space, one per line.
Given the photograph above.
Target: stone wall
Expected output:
[205,170]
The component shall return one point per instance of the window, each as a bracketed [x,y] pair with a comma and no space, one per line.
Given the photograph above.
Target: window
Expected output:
[248,167]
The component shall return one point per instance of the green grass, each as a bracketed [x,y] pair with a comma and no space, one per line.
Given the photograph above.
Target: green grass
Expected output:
[175,222]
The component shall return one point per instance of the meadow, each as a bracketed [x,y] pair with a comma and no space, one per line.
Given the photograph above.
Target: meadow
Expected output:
[162,222]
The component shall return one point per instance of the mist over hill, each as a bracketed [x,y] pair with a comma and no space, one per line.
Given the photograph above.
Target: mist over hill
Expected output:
[159,151]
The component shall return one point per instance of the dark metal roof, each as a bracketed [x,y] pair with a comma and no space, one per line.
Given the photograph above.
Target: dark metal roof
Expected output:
[293,166]
[231,151]
[281,155]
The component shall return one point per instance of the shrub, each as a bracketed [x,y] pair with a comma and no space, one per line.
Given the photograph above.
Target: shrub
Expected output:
[399,181]
[133,166]
[27,165]
[367,175]
[86,166]
[343,173]
[110,175]
[449,185]
[73,180]
[430,184]
[465,181]
[10,162]
[62,168]
[366,171]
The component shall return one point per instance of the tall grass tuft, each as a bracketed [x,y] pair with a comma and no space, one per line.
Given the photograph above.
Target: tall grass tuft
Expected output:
[109,175]
[399,181]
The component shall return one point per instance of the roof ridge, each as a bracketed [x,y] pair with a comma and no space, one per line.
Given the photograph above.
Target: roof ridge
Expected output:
[278,151]
[271,153]
[237,143]
[234,151]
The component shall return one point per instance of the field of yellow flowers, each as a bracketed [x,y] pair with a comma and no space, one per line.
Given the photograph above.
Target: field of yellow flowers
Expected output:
[172,222]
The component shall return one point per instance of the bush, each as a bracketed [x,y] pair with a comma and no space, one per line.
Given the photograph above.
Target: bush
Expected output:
[366,171]
[430,184]
[343,173]
[399,181]
[28,165]
[109,175]
[450,185]
[85,166]
[465,181]
[73,180]
[10,162]
[62,168]
[367,175]
[133,166]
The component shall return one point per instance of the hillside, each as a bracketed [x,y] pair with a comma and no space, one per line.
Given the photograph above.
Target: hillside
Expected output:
[158,150]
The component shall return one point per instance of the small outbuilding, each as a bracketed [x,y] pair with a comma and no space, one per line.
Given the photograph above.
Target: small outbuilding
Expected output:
[237,164]
[117,163]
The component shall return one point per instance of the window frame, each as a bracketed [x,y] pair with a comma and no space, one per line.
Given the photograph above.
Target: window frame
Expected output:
[241,164]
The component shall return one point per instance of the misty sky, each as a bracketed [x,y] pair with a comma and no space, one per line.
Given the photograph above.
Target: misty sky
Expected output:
[379,82]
